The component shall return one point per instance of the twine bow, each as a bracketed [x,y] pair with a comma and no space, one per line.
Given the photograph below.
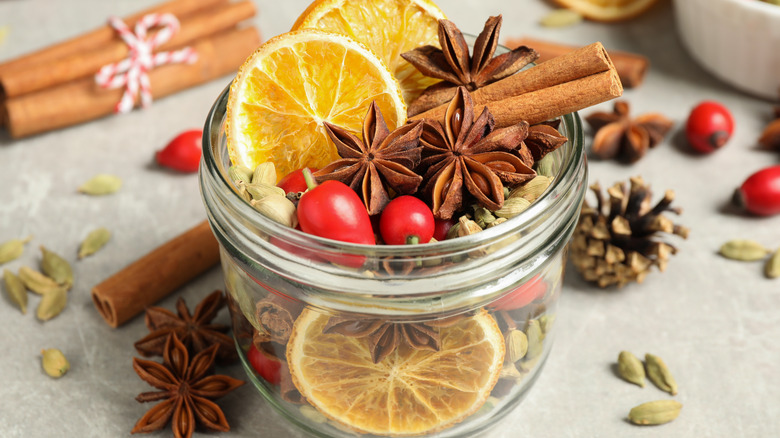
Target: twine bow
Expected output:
[132,72]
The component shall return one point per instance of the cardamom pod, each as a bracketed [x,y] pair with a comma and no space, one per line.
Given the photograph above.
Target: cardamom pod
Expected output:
[561,18]
[277,208]
[483,217]
[312,414]
[238,173]
[535,336]
[546,166]
[54,363]
[498,221]
[15,290]
[772,267]
[743,250]
[101,184]
[12,250]
[516,345]
[631,369]
[659,374]
[56,267]
[52,303]
[37,282]
[259,191]
[532,189]
[655,412]
[512,207]
[265,173]
[95,240]
[467,227]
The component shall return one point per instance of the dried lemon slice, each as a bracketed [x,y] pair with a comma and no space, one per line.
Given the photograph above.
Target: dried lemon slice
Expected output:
[294,82]
[409,392]
[608,10]
[387,27]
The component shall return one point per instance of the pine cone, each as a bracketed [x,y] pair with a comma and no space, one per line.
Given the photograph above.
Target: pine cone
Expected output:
[618,243]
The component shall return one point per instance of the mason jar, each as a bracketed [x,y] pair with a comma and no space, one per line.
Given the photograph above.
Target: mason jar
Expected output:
[439,339]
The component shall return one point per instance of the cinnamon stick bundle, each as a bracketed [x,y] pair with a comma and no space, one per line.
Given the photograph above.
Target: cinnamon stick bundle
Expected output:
[20,81]
[565,84]
[83,100]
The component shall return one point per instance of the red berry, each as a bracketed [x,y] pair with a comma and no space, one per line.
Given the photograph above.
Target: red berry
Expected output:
[760,193]
[266,365]
[442,228]
[183,152]
[709,127]
[533,289]
[294,182]
[406,219]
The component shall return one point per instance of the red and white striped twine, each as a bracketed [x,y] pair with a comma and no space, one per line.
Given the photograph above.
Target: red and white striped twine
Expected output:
[132,72]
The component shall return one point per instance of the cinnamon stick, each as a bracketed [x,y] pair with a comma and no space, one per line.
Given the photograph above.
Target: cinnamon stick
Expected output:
[83,100]
[276,315]
[85,64]
[146,281]
[286,386]
[631,67]
[562,85]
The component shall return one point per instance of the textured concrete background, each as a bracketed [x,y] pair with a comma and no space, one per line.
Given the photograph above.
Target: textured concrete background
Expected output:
[716,322]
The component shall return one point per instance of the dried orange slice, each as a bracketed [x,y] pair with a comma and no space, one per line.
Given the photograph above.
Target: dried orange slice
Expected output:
[387,27]
[608,10]
[294,82]
[409,392]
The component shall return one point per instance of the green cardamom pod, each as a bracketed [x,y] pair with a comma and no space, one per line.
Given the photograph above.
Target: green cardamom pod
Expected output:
[512,207]
[15,289]
[655,412]
[772,267]
[265,173]
[535,337]
[483,217]
[743,250]
[52,303]
[94,241]
[631,368]
[659,374]
[516,345]
[101,184]
[54,363]
[467,227]
[277,208]
[532,189]
[56,267]
[546,322]
[561,18]
[545,166]
[37,282]
[238,173]
[498,221]
[12,250]
[259,191]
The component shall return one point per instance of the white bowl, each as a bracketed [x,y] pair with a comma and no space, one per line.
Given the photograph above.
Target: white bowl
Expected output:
[738,41]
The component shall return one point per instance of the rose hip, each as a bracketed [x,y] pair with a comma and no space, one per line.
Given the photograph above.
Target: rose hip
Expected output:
[183,152]
[760,193]
[406,220]
[709,127]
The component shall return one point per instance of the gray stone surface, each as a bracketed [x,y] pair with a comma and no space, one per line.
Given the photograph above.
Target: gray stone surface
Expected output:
[716,322]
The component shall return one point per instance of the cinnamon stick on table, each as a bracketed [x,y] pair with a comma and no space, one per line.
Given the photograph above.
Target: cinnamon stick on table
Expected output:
[560,86]
[20,81]
[83,100]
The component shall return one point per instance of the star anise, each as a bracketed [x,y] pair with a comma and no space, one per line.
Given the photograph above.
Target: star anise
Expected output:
[617,135]
[468,154]
[382,159]
[385,336]
[543,139]
[186,389]
[195,330]
[455,67]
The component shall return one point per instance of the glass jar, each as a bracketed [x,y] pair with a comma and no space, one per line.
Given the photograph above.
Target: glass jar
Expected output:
[440,339]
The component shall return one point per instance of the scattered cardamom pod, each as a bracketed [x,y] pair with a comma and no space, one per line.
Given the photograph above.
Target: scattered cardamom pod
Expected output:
[54,363]
[12,250]
[659,374]
[561,18]
[535,336]
[655,412]
[56,268]
[631,368]
[516,345]
[512,207]
[52,303]
[772,267]
[744,250]
[533,189]
[238,173]
[265,173]
[15,290]
[37,282]
[259,191]
[94,241]
[277,208]
[101,184]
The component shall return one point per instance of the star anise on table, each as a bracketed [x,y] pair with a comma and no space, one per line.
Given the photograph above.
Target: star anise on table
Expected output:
[195,330]
[455,67]
[385,336]
[186,391]
[381,160]
[617,135]
[467,155]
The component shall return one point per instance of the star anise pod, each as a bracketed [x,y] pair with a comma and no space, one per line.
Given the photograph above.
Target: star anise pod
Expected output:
[467,154]
[382,159]
[617,135]
[455,67]
[770,137]
[195,330]
[186,389]
[385,336]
